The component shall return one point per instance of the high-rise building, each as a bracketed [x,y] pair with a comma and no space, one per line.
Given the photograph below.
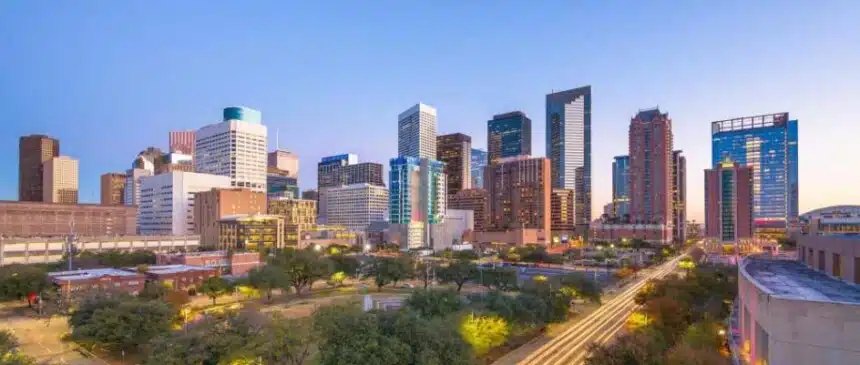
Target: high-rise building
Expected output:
[417,199]
[768,145]
[679,196]
[416,135]
[311,194]
[479,160]
[476,200]
[151,159]
[568,145]
[284,161]
[112,185]
[621,186]
[651,167]
[729,201]
[167,201]
[210,206]
[131,190]
[294,211]
[519,193]
[60,180]
[182,142]
[33,151]
[175,161]
[281,185]
[235,148]
[356,206]
[340,170]
[563,214]
[508,135]
[455,150]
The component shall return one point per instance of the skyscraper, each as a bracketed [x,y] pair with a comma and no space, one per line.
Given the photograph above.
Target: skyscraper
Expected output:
[568,145]
[60,180]
[167,201]
[479,160]
[768,145]
[651,167]
[417,199]
[341,170]
[280,185]
[729,201]
[131,190]
[455,151]
[182,142]
[509,135]
[33,151]
[475,200]
[356,206]
[112,185]
[621,186]
[416,135]
[519,193]
[563,214]
[235,148]
[679,196]
[285,161]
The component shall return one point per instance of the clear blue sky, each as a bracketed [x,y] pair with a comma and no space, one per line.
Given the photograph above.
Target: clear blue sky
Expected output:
[109,78]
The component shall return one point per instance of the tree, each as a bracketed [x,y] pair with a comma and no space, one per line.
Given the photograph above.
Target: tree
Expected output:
[458,272]
[9,350]
[431,340]
[425,271]
[684,354]
[268,278]
[645,347]
[464,255]
[19,281]
[349,265]
[499,278]
[177,298]
[434,303]
[213,340]
[484,332]
[280,341]
[386,270]
[303,267]
[581,286]
[349,336]
[153,290]
[337,279]
[121,324]
[667,316]
[215,287]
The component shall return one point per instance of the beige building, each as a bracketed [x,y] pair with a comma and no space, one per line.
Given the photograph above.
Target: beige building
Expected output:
[112,185]
[60,180]
[284,161]
[37,219]
[253,232]
[294,211]
[48,250]
[210,206]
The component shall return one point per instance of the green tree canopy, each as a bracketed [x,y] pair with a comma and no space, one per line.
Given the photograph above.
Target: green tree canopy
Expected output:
[123,323]
[215,287]
[387,270]
[434,303]
[268,278]
[17,281]
[499,278]
[458,272]
[303,267]
[349,336]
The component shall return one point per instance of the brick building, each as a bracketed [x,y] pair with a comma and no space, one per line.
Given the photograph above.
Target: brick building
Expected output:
[210,206]
[33,151]
[180,277]
[476,200]
[114,280]
[519,193]
[650,171]
[233,263]
[37,219]
[112,185]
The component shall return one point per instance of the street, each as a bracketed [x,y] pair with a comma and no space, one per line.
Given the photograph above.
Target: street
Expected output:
[570,347]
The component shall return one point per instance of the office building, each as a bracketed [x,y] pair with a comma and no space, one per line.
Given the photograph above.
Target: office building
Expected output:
[457,228]
[235,148]
[417,199]
[131,190]
[42,219]
[568,145]
[252,232]
[112,185]
[476,200]
[341,170]
[729,202]
[651,167]
[151,159]
[167,201]
[563,214]
[356,206]
[311,194]
[44,249]
[294,211]
[654,234]
[508,135]
[280,185]
[479,160]
[60,180]
[213,204]
[284,161]
[519,193]
[679,196]
[768,145]
[182,142]
[175,161]
[621,187]
[33,151]
[455,150]
[416,136]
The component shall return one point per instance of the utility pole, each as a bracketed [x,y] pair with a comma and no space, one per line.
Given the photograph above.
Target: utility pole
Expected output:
[70,240]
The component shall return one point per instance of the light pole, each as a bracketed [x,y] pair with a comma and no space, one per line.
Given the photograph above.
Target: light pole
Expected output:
[70,241]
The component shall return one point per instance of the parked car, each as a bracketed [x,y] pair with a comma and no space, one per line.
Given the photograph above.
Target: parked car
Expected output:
[407,286]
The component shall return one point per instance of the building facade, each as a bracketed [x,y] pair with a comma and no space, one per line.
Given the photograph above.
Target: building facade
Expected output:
[679,196]
[43,250]
[621,186]
[284,161]
[33,151]
[563,213]
[131,190]
[341,170]
[180,277]
[568,145]
[476,200]
[294,211]
[651,167]
[39,219]
[311,194]
[104,279]
[279,184]
[455,150]
[479,161]
[655,234]
[60,180]
[508,135]
[417,199]
[182,142]
[356,206]
[729,202]
[213,204]
[227,262]
[234,148]
[151,159]
[519,193]
[112,185]
[457,228]
[167,201]
[768,145]
[416,136]
[251,232]
[243,114]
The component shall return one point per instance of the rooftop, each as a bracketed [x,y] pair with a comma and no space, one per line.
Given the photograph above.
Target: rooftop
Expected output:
[173,269]
[789,279]
[75,275]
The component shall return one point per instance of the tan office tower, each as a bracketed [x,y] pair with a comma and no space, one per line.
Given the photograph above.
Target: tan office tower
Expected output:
[563,212]
[33,151]
[60,180]
[455,150]
[212,205]
[475,200]
[519,193]
[112,184]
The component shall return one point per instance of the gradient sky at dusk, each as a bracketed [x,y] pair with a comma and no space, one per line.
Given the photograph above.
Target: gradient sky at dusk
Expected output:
[110,78]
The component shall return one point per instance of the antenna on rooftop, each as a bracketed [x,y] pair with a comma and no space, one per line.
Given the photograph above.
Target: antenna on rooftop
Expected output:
[277,138]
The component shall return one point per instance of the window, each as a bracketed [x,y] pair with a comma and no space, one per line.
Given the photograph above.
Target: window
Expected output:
[837,265]
[821,264]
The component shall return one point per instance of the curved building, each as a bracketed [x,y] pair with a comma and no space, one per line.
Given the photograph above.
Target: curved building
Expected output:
[244,114]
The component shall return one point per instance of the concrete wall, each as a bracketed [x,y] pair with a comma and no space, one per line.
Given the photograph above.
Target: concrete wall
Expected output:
[847,249]
[36,250]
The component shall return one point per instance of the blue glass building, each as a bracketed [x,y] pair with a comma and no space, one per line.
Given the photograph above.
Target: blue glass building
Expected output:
[417,198]
[568,145]
[509,135]
[479,161]
[279,185]
[621,185]
[767,144]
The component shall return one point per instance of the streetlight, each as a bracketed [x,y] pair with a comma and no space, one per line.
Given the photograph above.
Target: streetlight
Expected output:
[317,248]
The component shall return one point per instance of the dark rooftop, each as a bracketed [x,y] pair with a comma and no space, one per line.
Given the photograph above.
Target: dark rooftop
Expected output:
[790,279]
[648,115]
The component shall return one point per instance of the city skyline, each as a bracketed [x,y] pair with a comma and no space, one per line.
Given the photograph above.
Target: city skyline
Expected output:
[103,127]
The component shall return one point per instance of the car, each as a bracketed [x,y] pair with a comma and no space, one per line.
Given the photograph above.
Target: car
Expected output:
[407,286]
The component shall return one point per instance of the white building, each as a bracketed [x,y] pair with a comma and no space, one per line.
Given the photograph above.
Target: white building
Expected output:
[235,149]
[167,201]
[60,180]
[416,135]
[455,224]
[356,206]
[131,191]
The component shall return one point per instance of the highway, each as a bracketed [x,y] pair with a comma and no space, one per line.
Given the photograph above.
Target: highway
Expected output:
[571,346]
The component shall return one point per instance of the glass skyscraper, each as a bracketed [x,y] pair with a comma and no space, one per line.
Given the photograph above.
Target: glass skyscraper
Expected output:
[568,145]
[768,145]
[509,135]
[479,161]
[621,185]
[417,198]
